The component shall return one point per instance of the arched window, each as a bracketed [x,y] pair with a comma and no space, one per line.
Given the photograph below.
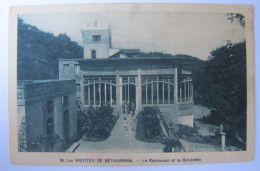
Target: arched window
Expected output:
[100,90]
[185,89]
[157,89]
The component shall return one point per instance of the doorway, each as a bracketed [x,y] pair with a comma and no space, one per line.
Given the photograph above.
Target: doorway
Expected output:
[128,94]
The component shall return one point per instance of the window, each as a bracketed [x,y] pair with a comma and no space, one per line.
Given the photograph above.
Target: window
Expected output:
[49,106]
[96,38]
[93,54]
[77,68]
[65,69]
[78,88]
[65,100]
[100,90]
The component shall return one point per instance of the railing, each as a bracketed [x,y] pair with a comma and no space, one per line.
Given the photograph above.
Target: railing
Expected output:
[164,123]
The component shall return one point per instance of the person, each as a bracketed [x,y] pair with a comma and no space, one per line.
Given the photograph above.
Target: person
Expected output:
[123,107]
[133,122]
[133,108]
[128,107]
[125,123]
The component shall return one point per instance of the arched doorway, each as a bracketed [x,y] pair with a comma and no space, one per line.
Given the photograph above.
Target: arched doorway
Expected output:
[66,126]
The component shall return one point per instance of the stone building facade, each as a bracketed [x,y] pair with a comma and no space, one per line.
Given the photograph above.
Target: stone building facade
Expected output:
[47,117]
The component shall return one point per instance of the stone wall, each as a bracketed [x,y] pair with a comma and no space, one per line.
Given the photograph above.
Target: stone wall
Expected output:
[33,105]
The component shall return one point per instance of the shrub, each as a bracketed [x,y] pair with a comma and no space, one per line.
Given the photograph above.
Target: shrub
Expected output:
[148,124]
[95,124]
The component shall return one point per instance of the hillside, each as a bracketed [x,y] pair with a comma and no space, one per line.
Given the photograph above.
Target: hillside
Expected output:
[38,52]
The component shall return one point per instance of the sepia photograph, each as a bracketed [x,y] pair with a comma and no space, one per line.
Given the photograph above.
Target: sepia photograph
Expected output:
[126,80]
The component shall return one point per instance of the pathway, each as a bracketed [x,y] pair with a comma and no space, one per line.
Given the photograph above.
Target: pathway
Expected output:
[120,141]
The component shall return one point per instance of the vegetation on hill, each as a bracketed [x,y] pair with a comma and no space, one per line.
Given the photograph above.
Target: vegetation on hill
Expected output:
[38,52]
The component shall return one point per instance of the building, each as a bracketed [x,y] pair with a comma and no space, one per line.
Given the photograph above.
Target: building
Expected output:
[47,117]
[113,76]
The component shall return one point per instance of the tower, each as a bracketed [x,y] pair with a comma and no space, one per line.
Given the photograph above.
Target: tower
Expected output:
[97,41]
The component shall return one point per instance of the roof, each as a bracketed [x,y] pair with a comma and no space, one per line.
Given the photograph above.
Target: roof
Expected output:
[131,51]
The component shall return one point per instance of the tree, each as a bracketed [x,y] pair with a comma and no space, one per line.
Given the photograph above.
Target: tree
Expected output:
[224,79]
[38,52]
[237,16]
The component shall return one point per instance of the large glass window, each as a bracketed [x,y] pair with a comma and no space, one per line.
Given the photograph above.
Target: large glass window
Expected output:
[184,88]
[157,89]
[100,90]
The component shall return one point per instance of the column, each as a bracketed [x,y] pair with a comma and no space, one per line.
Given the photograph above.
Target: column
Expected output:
[88,94]
[121,91]
[185,99]
[99,90]
[188,90]
[127,89]
[163,91]
[139,90]
[180,91]
[152,91]
[191,91]
[169,90]
[146,97]
[157,91]
[105,86]
[111,99]
[136,93]
[83,91]
[94,93]
[176,107]
[118,107]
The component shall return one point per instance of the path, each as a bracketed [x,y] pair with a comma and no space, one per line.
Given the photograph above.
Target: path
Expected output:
[120,141]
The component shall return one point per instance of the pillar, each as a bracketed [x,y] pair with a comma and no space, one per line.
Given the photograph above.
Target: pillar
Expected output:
[223,139]
[99,90]
[121,93]
[163,91]
[185,95]
[157,90]
[94,93]
[82,91]
[139,91]
[110,88]
[146,95]
[118,106]
[88,94]
[176,107]
[169,90]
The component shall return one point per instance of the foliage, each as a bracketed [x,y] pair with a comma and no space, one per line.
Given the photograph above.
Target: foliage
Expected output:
[148,124]
[237,16]
[186,131]
[38,52]
[96,123]
[22,146]
[224,79]
[28,142]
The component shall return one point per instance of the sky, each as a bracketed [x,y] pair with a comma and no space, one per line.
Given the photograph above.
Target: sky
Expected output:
[195,34]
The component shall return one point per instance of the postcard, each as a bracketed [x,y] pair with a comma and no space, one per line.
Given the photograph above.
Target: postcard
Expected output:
[131,84]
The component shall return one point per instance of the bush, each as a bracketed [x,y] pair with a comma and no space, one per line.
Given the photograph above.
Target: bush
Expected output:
[95,124]
[148,125]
